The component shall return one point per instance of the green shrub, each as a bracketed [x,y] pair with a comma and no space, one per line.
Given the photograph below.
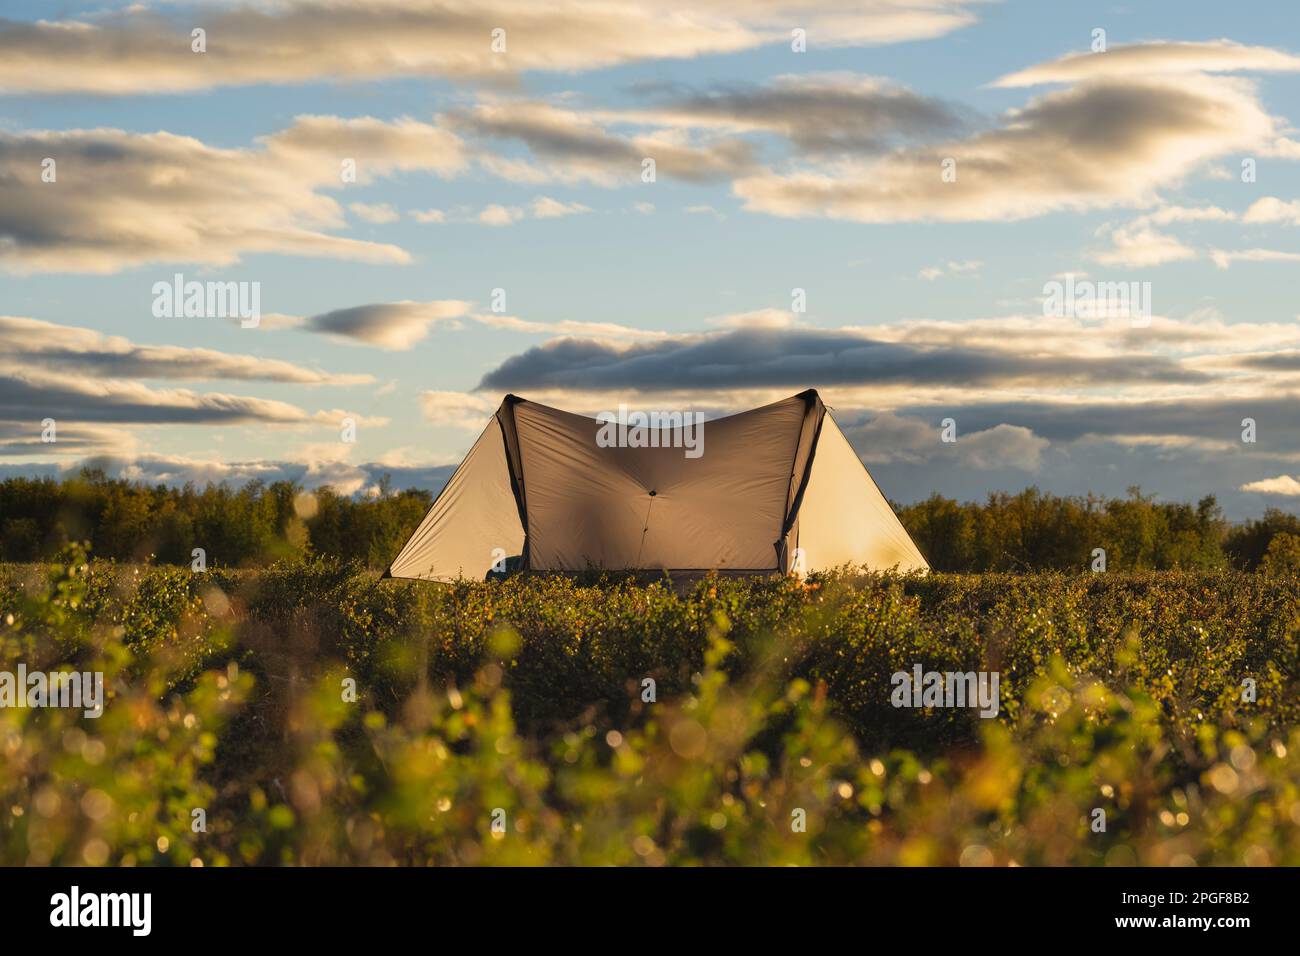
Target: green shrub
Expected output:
[320,717]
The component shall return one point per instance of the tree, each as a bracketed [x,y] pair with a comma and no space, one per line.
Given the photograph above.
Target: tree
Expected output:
[1283,555]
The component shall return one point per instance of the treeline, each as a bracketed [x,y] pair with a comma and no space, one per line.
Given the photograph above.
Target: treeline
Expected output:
[253,525]
[260,523]
[1037,531]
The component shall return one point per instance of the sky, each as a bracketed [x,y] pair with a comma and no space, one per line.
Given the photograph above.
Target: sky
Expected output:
[901,203]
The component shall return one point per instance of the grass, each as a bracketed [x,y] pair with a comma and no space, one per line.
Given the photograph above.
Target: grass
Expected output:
[316,716]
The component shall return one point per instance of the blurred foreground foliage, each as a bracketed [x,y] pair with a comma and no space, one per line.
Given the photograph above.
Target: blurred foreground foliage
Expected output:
[507,722]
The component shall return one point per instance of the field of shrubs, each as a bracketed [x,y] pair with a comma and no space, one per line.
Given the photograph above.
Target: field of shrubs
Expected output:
[306,713]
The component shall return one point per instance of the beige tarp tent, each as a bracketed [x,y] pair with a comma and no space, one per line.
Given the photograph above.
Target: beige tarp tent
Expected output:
[776,489]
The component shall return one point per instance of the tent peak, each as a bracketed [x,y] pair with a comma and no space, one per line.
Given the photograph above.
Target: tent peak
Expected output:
[808,396]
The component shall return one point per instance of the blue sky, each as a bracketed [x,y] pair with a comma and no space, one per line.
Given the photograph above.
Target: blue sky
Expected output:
[777,170]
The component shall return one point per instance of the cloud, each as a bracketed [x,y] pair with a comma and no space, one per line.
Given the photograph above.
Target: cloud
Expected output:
[1225,258]
[1138,246]
[603,330]
[543,207]
[138,50]
[770,358]
[569,146]
[376,213]
[1281,485]
[1106,142]
[1159,58]
[1206,421]
[127,199]
[426,216]
[23,440]
[756,319]
[457,409]
[1002,446]
[816,112]
[394,326]
[1270,209]
[34,344]
[889,438]
[495,215]
[1171,214]
[953,267]
[1076,401]
[1198,335]
[1280,361]
[29,396]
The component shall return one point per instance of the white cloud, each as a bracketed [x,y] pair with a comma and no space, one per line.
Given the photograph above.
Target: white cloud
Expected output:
[1159,58]
[600,330]
[203,204]
[1270,209]
[1105,142]
[1281,485]
[952,267]
[376,213]
[142,50]
[1002,446]
[496,215]
[890,438]
[757,319]
[457,409]
[544,207]
[1224,258]
[1137,246]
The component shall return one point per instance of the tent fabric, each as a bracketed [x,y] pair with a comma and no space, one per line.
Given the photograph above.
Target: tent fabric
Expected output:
[832,533]
[768,484]
[474,514]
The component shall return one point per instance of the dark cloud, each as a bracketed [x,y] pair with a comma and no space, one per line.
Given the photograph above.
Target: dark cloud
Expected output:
[575,147]
[784,357]
[1210,419]
[31,343]
[1285,361]
[26,398]
[23,439]
[827,112]
[387,325]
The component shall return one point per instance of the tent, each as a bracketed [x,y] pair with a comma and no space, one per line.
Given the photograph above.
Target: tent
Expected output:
[775,489]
